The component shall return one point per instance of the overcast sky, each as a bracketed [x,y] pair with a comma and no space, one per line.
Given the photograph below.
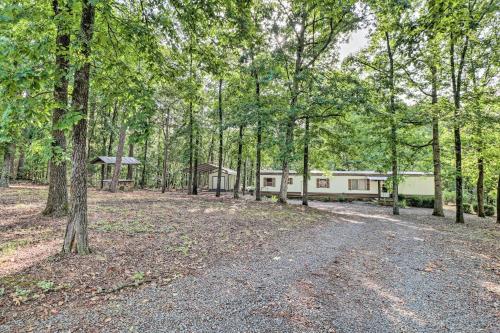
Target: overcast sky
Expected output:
[357,41]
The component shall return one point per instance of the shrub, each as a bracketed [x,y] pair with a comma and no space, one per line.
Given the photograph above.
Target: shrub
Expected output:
[489,210]
[449,197]
[419,201]
[468,208]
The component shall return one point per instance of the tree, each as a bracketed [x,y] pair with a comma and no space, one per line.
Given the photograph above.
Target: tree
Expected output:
[76,237]
[57,200]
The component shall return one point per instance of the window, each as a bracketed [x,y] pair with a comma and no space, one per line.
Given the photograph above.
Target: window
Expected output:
[269,182]
[290,181]
[359,185]
[322,183]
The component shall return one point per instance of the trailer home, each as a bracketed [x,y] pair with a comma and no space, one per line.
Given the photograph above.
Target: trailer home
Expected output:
[348,184]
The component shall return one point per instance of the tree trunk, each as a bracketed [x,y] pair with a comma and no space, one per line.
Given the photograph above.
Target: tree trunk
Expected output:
[306,165]
[456,79]
[259,140]
[498,199]
[119,156]
[191,148]
[143,174]
[221,138]
[480,186]
[195,167]
[394,134]
[165,153]
[76,238]
[111,137]
[7,161]
[244,185]
[436,149]
[236,193]
[130,168]
[21,172]
[57,200]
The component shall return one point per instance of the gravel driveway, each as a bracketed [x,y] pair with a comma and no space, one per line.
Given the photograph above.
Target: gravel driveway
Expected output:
[362,270]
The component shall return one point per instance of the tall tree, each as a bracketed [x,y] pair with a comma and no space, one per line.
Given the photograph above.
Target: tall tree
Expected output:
[76,237]
[57,200]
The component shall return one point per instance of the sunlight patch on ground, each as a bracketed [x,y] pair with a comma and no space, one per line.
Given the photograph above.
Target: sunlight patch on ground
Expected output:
[396,304]
[351,221]
[491,287]
[27,256]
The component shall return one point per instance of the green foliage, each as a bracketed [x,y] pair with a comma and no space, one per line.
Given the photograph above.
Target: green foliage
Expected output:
[419,201]
[489,210]
[468,209]
[46,286]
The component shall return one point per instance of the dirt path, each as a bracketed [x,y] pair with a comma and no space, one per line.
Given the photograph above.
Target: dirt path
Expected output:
[361,271]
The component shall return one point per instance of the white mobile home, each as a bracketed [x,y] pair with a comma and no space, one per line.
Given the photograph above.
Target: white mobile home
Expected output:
[348,184]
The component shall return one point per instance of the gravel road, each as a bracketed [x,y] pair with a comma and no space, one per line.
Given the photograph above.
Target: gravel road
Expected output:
[363,270]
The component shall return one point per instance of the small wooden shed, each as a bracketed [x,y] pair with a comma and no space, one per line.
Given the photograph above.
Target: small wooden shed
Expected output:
[123,184]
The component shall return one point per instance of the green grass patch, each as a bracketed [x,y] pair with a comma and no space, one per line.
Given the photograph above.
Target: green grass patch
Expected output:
[13,245]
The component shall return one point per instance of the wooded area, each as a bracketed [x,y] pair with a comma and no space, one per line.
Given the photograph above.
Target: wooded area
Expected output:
[248,85]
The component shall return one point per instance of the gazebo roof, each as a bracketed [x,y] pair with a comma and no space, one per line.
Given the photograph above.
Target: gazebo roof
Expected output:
[112,160]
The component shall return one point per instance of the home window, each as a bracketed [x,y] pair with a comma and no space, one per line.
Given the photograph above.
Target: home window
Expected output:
[290,181]
[269,182]
[322,183]
[359,185]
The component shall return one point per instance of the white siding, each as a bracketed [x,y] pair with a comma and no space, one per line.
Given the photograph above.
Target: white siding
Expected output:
[417,185]
[296,186]
[409,185]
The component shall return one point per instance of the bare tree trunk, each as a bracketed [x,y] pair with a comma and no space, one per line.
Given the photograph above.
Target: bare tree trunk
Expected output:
[195,168]
[130,168]
[480,186]
[21,172]
[143,174]
[394,134]
[436,149]
[306,165]
[166,149]
[236,193]
[7,158]
[191,148]
[57,200]
[221,138]
[244,185]
[119,156]
[111,137]
[259,139]
[456,79]
[76,238]
[498,199]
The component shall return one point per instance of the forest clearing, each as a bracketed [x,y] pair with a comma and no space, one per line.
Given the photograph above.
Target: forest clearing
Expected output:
[412,271]
[249,166]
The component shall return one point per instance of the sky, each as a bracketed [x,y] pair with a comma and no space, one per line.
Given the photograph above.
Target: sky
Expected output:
[357,41]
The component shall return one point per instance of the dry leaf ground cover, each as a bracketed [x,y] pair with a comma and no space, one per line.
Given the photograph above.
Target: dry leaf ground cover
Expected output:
[136,237]
[172,262]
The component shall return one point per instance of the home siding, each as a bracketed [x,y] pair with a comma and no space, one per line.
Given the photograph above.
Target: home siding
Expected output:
[417,185]
[339,186]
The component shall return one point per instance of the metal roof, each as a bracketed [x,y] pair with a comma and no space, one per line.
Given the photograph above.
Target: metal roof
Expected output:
[112,160]
[208,167]
[368,173]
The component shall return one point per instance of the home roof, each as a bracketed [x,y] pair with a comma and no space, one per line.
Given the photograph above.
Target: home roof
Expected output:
[368,173]
[112,160]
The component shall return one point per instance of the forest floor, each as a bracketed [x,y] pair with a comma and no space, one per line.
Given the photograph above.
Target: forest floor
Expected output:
[172,262]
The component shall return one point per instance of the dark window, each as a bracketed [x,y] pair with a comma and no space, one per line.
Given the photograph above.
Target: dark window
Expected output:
[269,182]
[359,184]
[290,181]
[322,183]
